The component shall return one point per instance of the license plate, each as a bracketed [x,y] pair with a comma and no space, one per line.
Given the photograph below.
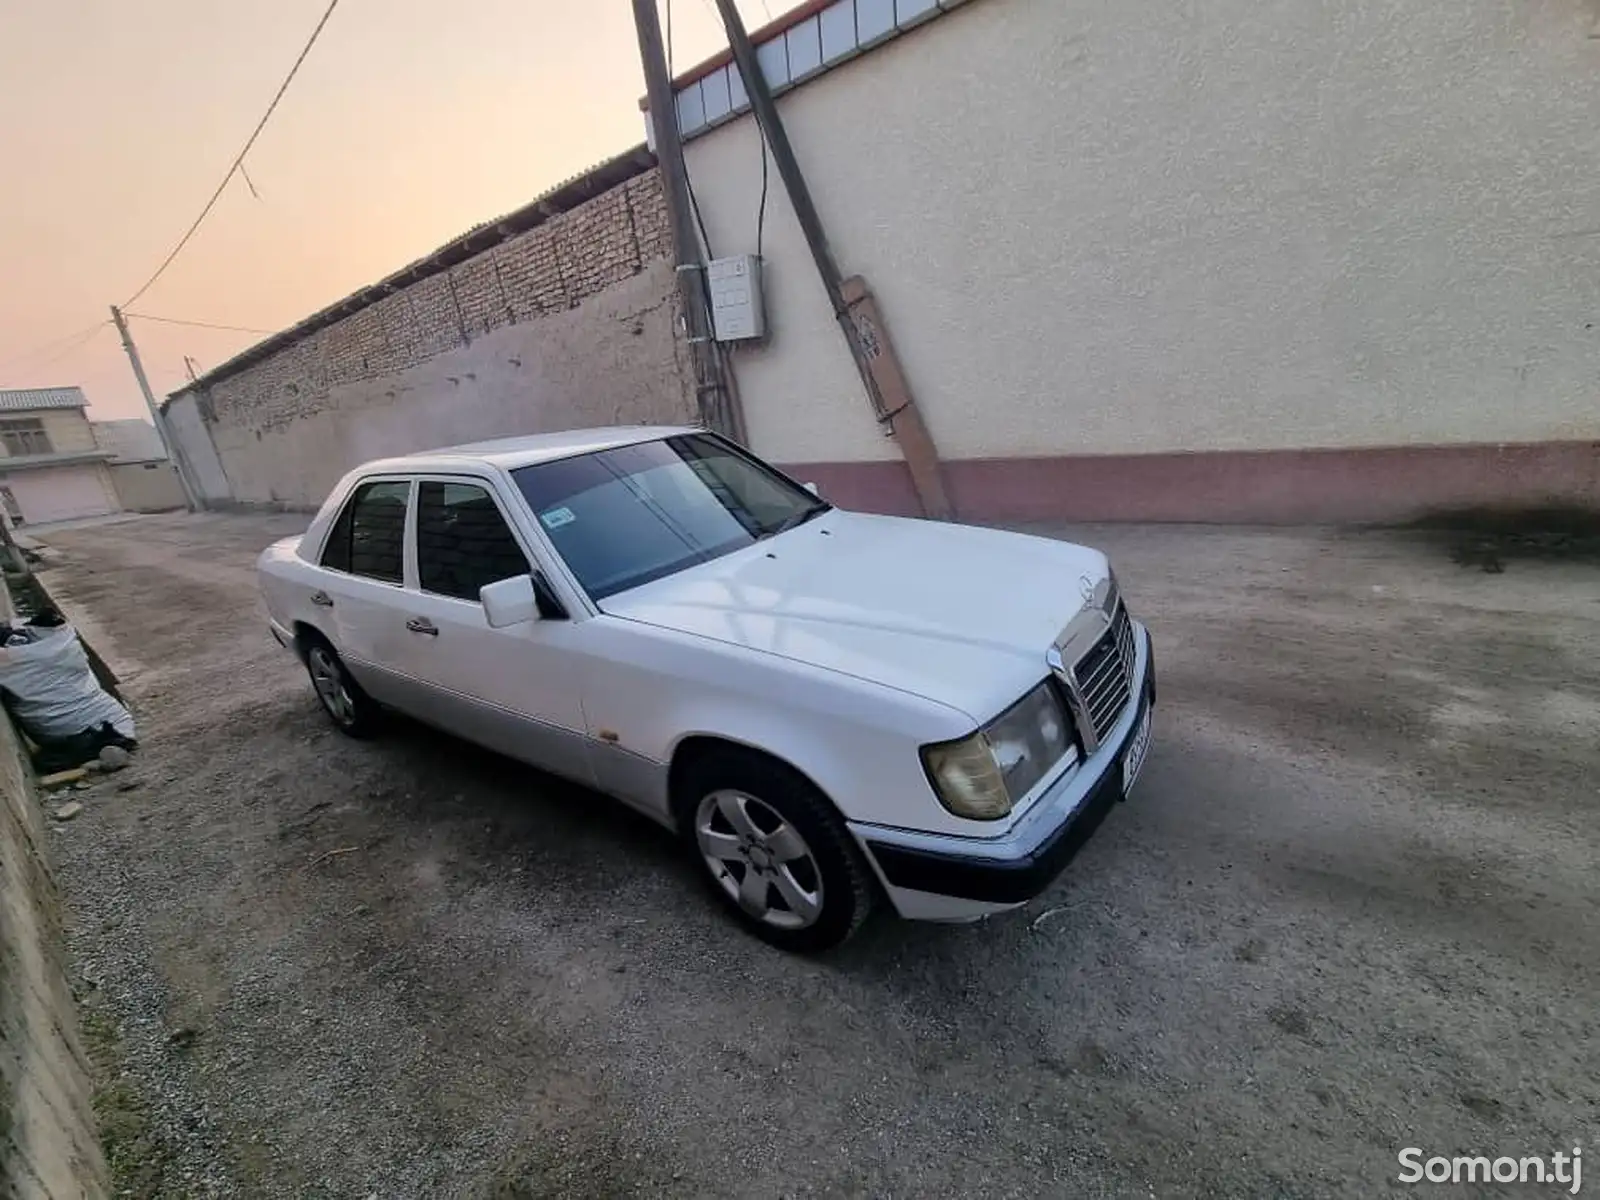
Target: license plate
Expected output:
[1133,760]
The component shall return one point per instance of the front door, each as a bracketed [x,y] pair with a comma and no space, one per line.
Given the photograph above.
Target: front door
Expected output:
[515,690]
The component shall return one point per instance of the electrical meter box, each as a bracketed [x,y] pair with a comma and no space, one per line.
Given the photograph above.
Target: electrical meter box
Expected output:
[737,313]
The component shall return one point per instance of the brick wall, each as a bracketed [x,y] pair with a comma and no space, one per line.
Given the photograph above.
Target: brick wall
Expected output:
[571,323]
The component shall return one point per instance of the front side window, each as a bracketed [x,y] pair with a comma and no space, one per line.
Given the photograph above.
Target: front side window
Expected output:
[625,516]
[463,543]
[369,536]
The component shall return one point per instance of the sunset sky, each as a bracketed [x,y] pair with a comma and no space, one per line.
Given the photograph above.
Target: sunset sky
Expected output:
[410,122]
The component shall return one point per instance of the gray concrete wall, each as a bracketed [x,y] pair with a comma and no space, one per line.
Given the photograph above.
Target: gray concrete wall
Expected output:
[49,1149]
[147,486]
[570,324]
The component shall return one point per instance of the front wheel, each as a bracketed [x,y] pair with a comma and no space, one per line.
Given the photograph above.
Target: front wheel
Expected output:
[776,853]
[348,707]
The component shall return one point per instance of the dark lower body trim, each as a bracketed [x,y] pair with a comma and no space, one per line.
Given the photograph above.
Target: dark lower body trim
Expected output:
[1010,881]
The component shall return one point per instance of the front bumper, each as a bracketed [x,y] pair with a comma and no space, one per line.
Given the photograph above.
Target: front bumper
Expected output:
[942,878]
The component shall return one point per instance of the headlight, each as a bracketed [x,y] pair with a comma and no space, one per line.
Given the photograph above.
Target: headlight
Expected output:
[982,776]
[967,779]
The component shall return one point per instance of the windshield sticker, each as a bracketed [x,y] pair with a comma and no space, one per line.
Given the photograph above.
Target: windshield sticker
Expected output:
[555,518]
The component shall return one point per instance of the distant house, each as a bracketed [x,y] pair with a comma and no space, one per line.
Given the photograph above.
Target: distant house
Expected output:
[51,466]
[130,441]
[144,478]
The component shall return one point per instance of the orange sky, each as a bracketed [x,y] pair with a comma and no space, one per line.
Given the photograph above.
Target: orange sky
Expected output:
[410,122]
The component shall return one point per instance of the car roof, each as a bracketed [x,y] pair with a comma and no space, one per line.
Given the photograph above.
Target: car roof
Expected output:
[513,452]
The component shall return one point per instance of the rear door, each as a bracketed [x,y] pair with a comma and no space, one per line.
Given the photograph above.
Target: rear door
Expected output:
[362,592]
[516,690]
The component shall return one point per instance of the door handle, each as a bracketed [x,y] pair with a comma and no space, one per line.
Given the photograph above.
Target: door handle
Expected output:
[422,625]
[322,599]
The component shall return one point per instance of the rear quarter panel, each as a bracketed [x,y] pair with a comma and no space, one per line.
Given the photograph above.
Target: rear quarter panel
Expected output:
[287,581]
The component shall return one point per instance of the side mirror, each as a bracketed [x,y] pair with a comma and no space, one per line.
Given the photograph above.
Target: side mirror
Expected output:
[509,602]
[812,488]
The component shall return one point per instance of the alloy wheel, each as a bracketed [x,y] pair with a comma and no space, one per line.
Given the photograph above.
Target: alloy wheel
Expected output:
[760,859]
[328,679]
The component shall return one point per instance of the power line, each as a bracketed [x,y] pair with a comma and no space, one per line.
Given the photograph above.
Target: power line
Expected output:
[715,16]
[77,342]
[51,345]
[199,324]
[238,162]
[88,336]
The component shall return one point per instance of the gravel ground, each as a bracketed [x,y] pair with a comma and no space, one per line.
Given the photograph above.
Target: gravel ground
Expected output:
[1351,909]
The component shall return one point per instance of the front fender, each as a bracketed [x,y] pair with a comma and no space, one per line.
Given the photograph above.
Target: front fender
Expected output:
[858,741]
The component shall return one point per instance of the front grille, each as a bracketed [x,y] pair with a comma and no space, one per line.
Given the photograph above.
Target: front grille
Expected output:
[1105,675]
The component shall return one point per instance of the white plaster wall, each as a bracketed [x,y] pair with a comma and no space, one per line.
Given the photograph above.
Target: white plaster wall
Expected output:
[195,447]
[1102,227]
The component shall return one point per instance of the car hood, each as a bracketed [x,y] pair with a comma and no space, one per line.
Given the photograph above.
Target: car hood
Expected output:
[956,614]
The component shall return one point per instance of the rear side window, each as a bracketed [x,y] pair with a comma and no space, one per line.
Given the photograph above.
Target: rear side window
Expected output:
[369,536]
[336,550]
[463,543]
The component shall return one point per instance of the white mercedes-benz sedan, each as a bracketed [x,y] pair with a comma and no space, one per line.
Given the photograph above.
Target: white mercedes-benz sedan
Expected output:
[829,708]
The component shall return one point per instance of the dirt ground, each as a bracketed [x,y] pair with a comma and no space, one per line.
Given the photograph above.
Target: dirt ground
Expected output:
[1351,909]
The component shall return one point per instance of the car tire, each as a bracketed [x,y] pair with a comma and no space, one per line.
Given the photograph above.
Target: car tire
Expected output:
[351,710]
[814,888]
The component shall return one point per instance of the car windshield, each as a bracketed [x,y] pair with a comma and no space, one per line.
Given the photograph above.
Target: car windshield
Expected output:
[625,516]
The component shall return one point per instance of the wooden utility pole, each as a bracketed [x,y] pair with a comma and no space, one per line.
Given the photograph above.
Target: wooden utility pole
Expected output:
[853,304]
[713,398]
[189,492]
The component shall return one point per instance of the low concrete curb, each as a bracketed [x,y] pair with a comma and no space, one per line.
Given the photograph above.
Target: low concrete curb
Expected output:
[49,1147]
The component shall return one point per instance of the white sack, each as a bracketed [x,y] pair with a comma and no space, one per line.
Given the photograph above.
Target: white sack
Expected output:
[54,689]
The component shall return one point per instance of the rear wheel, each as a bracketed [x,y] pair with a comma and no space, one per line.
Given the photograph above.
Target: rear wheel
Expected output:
[775,851]
[348,707]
